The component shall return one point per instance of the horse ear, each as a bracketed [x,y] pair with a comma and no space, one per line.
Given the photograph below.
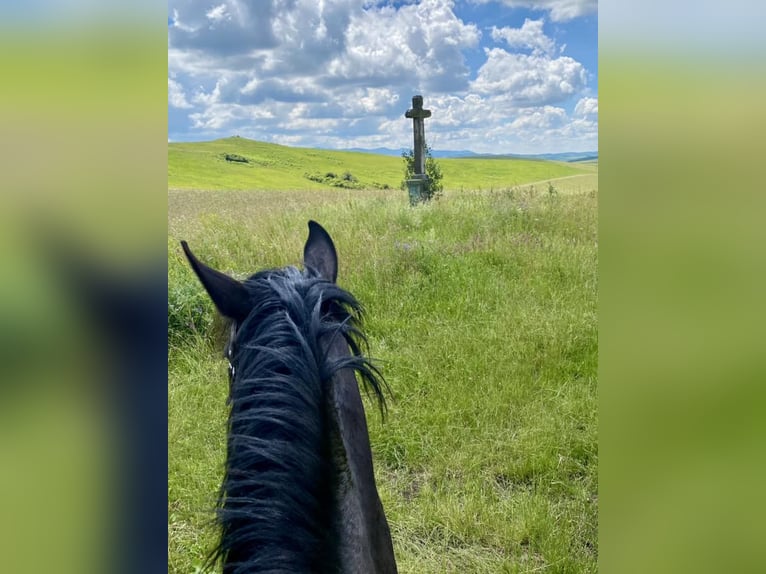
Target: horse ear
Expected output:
[319,253]
[229,295]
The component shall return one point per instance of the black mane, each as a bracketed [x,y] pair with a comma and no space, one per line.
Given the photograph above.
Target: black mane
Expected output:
[275,505]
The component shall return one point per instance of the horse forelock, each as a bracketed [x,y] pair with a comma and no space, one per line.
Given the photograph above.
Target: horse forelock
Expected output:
[276,503]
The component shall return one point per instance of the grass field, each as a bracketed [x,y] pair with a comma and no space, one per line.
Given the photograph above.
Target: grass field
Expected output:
[203,165]
[481,309]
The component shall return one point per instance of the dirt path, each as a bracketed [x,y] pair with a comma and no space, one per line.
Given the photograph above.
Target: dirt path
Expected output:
[579,183]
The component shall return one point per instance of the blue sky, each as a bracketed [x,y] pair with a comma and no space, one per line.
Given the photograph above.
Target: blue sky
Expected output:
[500,76]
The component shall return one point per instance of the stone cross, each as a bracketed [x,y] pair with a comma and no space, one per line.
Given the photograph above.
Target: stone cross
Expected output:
[418,114]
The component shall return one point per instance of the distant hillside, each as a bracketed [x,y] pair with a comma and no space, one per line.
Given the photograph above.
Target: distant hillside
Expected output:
[398,152]
[564,156]
[237,163]
[378,150]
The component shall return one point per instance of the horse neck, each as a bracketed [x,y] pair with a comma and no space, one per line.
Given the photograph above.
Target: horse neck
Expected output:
[277,510]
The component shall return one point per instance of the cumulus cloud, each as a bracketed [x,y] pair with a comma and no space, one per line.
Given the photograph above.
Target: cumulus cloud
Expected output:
[220,116]
[559,10]
[529,79]
[494,123]
[375,100]
[587,108]
[529,36]
[176,96]
[535,119]
[340,73]
[218,13]
[336,41]
[498,125]
[420,42]
[233,27]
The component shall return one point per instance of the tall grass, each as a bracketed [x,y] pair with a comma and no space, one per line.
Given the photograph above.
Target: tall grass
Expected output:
[481,310]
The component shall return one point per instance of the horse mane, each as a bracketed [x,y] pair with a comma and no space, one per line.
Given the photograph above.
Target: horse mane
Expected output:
[275,504]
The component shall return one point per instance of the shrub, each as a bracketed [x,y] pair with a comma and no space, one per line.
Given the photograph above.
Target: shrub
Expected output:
[347,180]
[435,186]
[236,158]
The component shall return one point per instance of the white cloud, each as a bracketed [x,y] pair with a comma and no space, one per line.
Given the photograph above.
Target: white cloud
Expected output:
[310,49]
[220,30]
[529,36]
[535,119]
[587,108]
[178,24]
[229,116]
[560,10]
[376,100]
[494,124]
[211,98]
[421,43]
[218,13]
[340,73]
[176,96]
[532,80]
[250,87]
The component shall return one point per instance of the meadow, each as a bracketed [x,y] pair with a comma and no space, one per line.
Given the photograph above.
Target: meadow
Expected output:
[203,165]
[480,310]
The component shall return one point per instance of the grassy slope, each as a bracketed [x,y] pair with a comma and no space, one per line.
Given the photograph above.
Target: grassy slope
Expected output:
[273,167]
[482,311]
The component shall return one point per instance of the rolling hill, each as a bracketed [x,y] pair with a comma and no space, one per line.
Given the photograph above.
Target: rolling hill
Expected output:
[237,163]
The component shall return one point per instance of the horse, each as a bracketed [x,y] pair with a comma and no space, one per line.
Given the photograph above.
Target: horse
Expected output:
[298,493]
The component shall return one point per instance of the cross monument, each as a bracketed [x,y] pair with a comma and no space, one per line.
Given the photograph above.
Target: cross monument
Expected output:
[418,114]
[419,180]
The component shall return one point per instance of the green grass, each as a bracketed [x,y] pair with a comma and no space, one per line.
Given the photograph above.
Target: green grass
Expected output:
[202,165]
[481,308]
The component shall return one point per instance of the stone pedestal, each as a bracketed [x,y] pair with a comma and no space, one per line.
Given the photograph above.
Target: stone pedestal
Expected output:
[417,187]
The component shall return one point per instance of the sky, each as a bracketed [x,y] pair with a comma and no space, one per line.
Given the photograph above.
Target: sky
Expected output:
[499,76]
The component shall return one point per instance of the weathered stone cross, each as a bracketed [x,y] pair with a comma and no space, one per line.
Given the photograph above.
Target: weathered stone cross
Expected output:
[418,114]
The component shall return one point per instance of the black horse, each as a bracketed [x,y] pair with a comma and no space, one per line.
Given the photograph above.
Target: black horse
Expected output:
[299,494]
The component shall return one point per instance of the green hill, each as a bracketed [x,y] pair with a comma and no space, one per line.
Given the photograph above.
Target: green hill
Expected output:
[255,165]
